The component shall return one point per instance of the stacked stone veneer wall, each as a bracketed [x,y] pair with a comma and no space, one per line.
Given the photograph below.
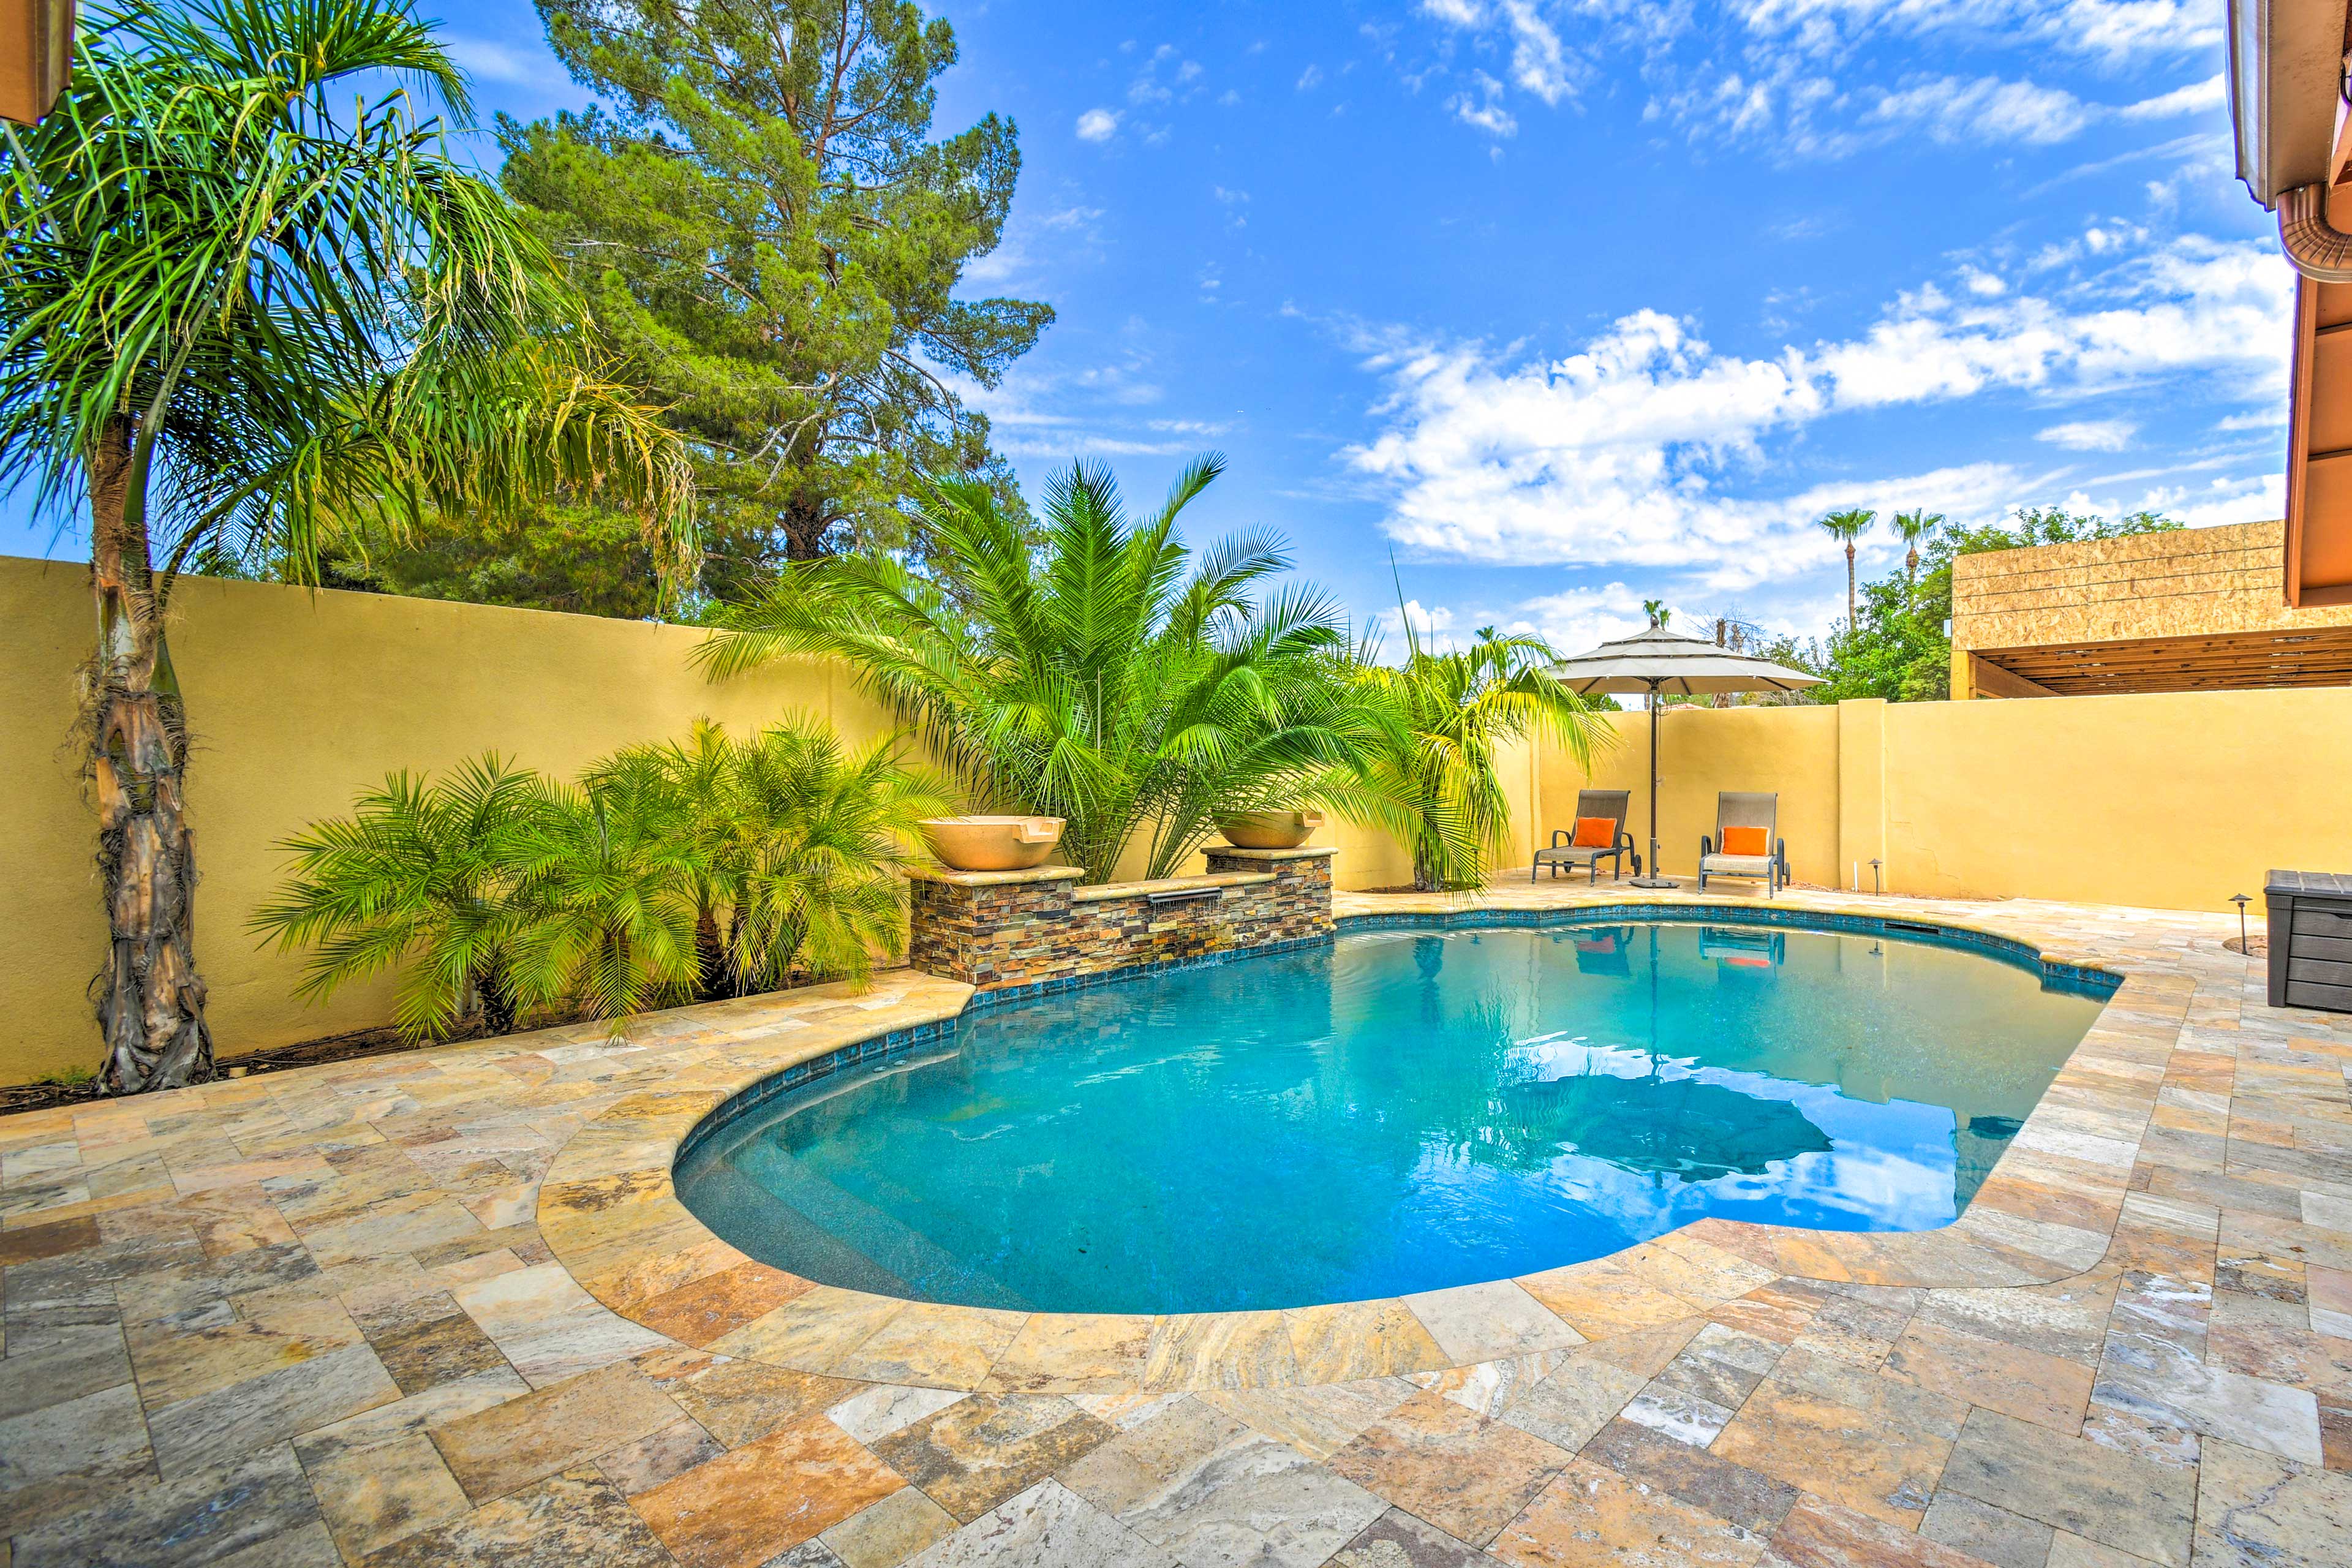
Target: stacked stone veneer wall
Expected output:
[994,929]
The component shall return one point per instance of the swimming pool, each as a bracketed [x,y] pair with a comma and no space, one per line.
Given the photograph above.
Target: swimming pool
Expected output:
[1396,1112]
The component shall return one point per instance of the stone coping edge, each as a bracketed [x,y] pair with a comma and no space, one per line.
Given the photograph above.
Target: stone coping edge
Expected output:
[1104,892]
[1299,852]
[992,878]
[609,1211]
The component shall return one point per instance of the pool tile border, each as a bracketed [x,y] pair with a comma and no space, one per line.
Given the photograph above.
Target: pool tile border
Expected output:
[609,1212]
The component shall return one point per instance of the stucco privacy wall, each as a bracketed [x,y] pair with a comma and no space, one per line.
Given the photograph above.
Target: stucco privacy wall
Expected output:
[298,702]
[2172,799]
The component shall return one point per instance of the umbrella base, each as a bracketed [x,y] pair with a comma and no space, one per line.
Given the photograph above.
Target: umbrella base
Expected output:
[1652,882]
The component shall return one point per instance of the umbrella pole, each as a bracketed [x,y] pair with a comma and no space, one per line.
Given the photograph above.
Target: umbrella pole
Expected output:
[1655,875]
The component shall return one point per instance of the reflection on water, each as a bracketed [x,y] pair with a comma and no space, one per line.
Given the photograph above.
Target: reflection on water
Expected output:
[1399,1112]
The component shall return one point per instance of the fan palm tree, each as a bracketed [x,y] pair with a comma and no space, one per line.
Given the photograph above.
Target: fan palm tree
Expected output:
[1916,528]
[1848,526]
[1429,776]
[1104,676]
[236,309]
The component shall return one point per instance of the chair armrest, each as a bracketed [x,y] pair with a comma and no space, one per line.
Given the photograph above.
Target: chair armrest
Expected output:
[1558,834]
[1705,844]
[1624,839]
[1781,850]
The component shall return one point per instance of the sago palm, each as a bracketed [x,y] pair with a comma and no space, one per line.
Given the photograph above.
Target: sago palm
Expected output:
[238,305]
[1431,778]
[1102,674]
[1848,526]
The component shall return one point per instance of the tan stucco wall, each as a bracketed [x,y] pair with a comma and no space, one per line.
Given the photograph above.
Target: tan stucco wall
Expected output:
[1792,750]
[2173,800]
[297,701]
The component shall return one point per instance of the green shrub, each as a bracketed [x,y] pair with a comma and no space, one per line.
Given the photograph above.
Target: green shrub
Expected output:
[703,868]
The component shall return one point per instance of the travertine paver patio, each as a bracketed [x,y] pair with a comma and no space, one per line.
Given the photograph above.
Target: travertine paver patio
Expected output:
[441,1309]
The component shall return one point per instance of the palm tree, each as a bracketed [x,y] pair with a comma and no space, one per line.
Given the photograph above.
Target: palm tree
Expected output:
[1848,526]
[1098,673]
[822,833]
[1429,776]
[1657,612]
[418,878]
[1916,527]
[706,867]
[237,309]
[797,845]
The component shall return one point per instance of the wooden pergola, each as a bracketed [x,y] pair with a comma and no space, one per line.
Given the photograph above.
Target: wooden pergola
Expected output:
[2224,661]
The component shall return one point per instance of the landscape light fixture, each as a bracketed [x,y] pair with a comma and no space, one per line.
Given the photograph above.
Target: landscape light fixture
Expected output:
[2241,901]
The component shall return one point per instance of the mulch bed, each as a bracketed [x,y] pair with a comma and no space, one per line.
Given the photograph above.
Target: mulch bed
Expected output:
[17,1097]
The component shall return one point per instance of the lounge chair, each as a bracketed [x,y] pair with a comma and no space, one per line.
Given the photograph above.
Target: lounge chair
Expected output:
[1592,806]
[1742,817]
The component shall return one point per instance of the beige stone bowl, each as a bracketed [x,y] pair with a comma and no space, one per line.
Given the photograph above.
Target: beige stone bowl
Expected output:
[1270,830]
[991,842]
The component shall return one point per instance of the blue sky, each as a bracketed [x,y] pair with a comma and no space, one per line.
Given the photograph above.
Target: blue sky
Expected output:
[1571,305]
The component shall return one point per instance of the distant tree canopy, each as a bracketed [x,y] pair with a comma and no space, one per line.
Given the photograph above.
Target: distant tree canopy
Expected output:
[765,226]
[771,238]
[1897,647]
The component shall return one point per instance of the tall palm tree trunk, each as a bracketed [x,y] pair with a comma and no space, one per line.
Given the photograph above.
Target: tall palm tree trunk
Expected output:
[1848,587]
[150,1001]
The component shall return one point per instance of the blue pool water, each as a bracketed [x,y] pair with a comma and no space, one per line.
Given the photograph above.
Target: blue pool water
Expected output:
[1398,1111]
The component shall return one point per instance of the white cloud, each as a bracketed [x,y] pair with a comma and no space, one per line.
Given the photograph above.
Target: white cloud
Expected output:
[489,60]
[1949,110]
[1649,448]
[2091,434]
[1812,78]
[2198,97]
[1098,125]
[1431,624]
[1311,78]
[2107,30]
[1486,111]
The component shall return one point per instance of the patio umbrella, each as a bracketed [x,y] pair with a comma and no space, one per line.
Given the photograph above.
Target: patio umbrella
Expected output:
[1658,661]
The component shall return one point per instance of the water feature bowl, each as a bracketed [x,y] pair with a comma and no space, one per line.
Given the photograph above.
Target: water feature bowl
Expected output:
[1269,829]
[991,842]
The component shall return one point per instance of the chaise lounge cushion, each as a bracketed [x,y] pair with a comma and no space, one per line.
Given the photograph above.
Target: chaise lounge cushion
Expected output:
[1736,865]
[1748,841]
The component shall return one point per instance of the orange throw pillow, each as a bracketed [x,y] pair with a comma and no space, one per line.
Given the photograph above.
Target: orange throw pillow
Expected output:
[1595,833]
[1745,841]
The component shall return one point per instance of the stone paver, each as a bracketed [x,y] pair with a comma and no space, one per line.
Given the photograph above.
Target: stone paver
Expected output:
[442,1308]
